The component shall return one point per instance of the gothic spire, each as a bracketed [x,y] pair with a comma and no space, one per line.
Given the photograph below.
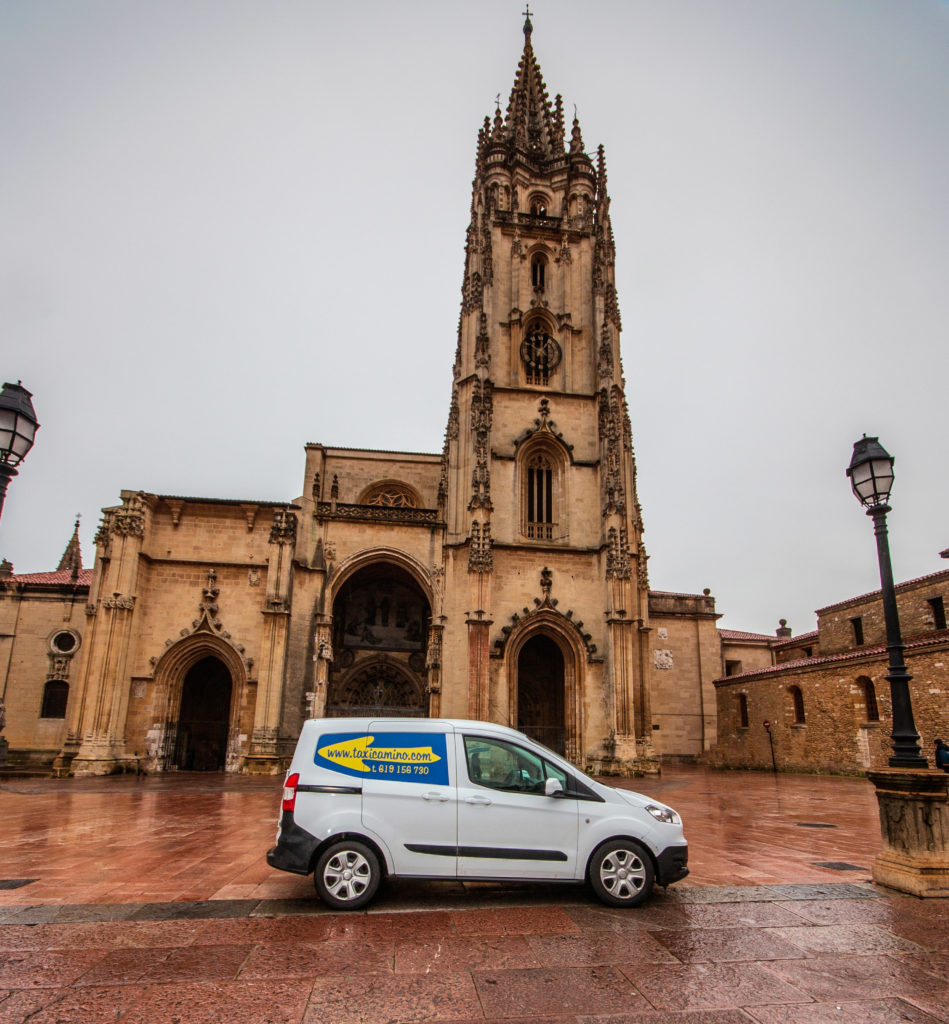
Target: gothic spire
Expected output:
[529,121]
[72,556]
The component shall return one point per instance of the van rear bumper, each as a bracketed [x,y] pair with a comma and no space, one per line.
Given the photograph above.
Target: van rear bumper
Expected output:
[295,847]
[672,864]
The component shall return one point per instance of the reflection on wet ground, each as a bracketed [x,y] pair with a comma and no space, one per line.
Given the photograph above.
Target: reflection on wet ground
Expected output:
[149,900]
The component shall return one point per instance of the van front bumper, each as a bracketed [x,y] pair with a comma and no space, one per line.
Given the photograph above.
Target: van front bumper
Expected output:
[672,864]
[295,847]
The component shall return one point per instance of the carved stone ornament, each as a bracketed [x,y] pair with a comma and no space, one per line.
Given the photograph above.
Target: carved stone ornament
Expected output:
[253,577]
[662,660]
[617,555]
[129,520]
[120,602]
[480,556]
[284,527]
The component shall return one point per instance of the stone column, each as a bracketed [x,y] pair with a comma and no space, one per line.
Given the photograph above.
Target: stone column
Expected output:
[322,659]
[264,757]
[914,823]
[104,684]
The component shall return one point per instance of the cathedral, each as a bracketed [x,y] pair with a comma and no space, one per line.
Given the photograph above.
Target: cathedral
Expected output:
[503,578]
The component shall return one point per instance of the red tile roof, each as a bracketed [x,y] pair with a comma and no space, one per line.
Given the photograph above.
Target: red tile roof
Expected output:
[56,579]
[793,641]
[738,634]
[876,593]
[930,640]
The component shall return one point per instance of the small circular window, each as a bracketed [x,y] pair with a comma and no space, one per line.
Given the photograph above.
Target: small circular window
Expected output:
[64,642]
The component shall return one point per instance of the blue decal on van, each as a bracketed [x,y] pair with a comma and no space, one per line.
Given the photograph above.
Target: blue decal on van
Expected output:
[399,756]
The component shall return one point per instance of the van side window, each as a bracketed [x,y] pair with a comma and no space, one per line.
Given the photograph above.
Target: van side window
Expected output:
[500,765]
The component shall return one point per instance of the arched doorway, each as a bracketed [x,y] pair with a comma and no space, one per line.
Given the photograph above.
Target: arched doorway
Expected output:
[540,692]
[378,689]
[201,740]
[380,636]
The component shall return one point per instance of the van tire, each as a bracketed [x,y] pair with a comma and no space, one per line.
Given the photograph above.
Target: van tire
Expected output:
[347,875]
[621,873]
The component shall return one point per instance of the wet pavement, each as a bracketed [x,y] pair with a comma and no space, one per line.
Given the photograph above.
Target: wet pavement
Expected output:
[134,900]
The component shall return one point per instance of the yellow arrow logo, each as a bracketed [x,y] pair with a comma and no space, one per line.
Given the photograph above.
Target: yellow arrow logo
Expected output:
[354,754]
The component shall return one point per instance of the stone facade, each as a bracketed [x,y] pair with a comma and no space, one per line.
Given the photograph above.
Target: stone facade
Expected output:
[503,578]
[829,711]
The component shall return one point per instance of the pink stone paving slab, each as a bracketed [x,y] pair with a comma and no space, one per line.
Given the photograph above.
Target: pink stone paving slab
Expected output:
[825,978]
[842,911]
[870,1011]
[459,953]
[253,1002]
[740,915]
[598,948]
[839,938]
[381,999]
[720,945]
[571,990]
[268,930]
[653,915]
[686,1017]
[513,921]
[710,986]
[45,969]
[317,960]
[123,966]
[394,926]
[199,963]
[66,1006]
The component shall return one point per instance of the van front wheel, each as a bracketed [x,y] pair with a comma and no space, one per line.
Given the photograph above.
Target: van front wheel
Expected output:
[347,875]
[621,873]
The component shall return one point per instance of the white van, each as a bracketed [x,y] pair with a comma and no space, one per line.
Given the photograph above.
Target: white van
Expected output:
[429,798]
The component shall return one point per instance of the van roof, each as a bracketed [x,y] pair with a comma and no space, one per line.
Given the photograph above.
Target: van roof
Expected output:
[410,723]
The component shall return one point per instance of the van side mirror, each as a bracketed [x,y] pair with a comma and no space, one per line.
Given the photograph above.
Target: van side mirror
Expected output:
[552,787]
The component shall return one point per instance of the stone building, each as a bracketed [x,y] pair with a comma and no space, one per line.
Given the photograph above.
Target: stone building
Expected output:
[825,694]
[503,578]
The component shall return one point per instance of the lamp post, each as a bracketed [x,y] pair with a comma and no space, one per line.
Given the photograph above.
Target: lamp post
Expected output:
[18,427]
[912,798]
[871,477]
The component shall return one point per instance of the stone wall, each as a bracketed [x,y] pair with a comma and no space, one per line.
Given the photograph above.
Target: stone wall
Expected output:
[840,732]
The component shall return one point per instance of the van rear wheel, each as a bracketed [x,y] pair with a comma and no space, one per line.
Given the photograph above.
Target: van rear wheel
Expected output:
[621,873]
[347,875]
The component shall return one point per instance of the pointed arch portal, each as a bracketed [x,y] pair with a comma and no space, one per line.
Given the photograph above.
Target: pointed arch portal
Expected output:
[201,740]
[540,692]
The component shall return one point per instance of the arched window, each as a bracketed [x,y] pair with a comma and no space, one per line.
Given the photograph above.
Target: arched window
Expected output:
[798,699]
[390,494]
[539,206]
[869,699]
[538,270]
[743,710]
[55,696]
[540,498]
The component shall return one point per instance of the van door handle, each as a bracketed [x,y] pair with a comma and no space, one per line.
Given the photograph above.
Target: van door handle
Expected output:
[483,800]
[441,797]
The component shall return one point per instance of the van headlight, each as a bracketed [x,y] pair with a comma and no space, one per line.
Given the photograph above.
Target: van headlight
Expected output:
[664,814]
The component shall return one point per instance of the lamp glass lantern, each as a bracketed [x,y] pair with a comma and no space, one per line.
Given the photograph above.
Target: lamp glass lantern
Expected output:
[871,472]
[18,424]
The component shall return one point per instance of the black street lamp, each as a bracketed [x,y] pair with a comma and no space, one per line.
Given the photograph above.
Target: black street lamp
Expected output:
[871,477]
[18,427]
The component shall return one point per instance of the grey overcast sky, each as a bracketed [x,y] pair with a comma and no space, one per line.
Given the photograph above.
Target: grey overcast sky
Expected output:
[228,228]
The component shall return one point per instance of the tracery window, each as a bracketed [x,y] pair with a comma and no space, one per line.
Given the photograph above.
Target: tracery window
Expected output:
[390,496]
[539,498]
[538,271]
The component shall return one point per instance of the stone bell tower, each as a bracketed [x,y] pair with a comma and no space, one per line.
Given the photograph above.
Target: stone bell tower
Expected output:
[544,563]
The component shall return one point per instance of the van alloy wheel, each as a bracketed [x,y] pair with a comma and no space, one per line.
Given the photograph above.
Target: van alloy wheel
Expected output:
[621,873]
[347,875]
